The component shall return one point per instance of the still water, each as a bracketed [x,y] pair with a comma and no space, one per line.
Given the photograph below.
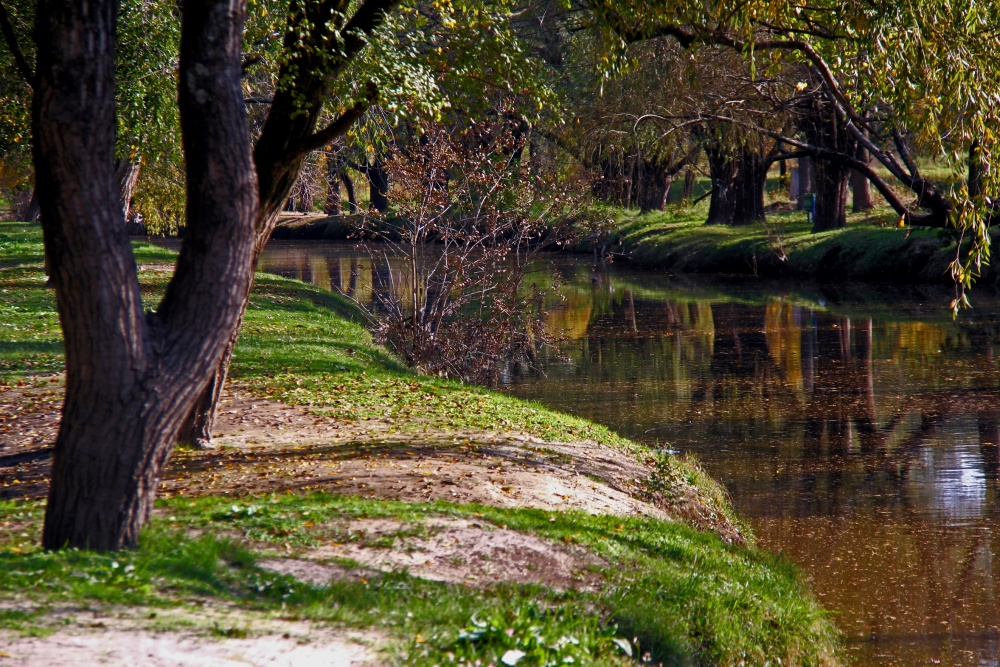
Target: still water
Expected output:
[856,427]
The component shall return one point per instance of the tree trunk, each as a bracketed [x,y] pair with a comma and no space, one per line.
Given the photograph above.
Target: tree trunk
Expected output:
[688,191]
[291,125]
[333,168]
[132,377]
[860,187]
[352,197]
[30,212]
[127,175]
[652,185]
[378,180]
[739,175]
[825,129]
[749,186]
[832,179]
[722,169]
[807,180]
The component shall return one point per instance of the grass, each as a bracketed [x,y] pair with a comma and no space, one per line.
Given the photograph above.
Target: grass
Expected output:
[675,593]
[683,596]
[871,247]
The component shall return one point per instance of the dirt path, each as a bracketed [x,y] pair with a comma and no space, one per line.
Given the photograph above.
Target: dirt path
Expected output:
[264,446]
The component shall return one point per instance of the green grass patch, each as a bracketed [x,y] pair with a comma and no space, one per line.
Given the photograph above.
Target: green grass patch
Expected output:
[680,595]
[871,247]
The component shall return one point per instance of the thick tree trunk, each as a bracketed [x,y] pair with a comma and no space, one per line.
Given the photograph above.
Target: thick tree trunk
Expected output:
[722,170]
[860,186]
[748,187]
[739,175]
[823,128]
[652,185]
[831,195]
[132,378]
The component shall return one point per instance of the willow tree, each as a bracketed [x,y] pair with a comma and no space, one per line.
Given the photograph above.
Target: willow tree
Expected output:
[929,68]
[132,376]
[385,61]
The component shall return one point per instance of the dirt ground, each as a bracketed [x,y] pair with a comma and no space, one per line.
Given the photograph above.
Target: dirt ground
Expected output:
[139,638]
[452,550]
[264,446]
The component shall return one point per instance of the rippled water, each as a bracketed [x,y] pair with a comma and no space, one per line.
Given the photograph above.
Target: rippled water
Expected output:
[856,427]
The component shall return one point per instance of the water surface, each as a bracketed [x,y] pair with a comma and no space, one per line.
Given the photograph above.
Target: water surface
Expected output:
[855,427]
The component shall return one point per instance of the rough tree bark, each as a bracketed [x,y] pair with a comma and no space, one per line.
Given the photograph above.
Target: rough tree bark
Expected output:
[831,195]
[749,186]
[352,197]
[739,175]
[722,170]
[132,377]
[320,48]
[860,185]
[826,129]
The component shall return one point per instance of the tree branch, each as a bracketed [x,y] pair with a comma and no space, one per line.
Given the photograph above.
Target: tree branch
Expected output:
[335,129]
[15,48]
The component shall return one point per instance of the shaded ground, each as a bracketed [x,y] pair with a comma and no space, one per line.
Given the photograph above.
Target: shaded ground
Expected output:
[266,446]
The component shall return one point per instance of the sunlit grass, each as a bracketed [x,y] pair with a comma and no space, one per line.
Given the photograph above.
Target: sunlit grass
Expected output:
[681,595]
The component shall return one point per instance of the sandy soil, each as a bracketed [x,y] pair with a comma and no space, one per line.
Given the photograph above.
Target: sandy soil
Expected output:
[453,550]
[266,446]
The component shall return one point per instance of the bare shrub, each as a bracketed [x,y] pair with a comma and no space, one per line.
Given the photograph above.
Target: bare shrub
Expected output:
[450,287]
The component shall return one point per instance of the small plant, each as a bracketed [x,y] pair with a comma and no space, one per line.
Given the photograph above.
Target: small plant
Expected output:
[531,636]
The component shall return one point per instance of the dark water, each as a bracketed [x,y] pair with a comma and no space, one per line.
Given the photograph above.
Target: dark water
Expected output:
[856,427]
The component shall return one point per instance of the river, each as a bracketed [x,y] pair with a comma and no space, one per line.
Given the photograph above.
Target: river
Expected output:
[856,427]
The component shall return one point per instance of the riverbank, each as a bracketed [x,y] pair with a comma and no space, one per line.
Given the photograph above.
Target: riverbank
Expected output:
[357,511]
[871,248]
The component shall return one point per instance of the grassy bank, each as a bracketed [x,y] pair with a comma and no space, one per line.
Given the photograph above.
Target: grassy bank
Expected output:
[207,561]
[872,247]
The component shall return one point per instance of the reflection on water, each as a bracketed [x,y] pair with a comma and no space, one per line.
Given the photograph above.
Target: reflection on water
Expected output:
[856,429]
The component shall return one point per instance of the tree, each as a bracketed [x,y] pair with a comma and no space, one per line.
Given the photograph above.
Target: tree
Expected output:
[321,46]
[132,376]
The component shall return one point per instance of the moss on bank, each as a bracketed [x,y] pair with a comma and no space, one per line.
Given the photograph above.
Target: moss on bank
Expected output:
[872,247]
[683,595]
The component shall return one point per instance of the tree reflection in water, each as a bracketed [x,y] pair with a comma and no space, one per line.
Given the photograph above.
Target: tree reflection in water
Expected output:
[858,430]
